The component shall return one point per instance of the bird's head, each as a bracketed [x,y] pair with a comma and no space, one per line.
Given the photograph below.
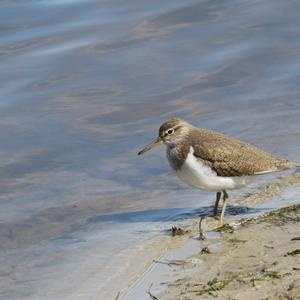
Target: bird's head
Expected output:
[171,132]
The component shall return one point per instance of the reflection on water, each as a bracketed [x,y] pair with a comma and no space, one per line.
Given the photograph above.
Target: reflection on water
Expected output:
[85,84]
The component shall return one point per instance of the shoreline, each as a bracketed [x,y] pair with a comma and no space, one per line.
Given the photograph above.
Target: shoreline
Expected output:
[258,260]
[183,257]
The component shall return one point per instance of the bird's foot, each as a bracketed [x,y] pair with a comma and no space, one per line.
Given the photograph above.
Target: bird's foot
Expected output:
[221,227]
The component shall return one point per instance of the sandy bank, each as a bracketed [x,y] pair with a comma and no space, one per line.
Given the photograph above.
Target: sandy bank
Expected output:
[258,260]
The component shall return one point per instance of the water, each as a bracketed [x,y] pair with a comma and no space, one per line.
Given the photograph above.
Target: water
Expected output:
[84,85]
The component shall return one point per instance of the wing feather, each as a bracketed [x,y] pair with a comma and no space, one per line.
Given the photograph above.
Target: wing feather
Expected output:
[229,156]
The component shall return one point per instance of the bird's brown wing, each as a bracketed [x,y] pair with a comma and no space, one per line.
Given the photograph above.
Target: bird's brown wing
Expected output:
[228,156]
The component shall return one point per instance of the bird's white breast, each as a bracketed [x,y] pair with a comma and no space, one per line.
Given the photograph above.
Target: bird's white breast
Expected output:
[194,173]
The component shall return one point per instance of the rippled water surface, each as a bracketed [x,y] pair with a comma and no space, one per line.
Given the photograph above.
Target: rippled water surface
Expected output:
[84,85]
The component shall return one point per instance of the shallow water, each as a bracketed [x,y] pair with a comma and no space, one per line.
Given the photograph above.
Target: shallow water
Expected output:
[84,85]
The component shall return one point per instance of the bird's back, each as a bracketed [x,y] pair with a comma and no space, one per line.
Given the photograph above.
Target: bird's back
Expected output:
[229,156]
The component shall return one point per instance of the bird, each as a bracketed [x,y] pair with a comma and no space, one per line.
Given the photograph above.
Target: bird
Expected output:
[213,161]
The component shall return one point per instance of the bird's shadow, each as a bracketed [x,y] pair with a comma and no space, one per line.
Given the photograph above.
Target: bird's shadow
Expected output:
[171,214]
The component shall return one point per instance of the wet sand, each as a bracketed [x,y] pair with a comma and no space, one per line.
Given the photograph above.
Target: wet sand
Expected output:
[258,260]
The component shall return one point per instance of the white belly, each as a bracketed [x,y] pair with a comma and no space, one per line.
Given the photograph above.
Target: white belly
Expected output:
[194,173]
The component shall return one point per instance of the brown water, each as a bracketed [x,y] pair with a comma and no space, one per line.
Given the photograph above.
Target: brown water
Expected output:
[84,85]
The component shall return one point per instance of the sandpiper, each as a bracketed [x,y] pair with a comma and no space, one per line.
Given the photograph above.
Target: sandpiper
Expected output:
[213,161]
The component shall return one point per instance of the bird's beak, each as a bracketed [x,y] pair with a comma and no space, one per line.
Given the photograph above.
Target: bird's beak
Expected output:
[157,142]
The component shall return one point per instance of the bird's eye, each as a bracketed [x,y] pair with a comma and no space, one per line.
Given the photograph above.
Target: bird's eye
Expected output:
[170,131]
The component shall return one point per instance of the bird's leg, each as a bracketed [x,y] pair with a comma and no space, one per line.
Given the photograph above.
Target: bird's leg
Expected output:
[218,197]
[225,197]
[221,223]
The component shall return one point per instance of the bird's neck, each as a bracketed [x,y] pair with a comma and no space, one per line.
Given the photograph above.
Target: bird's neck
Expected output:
[177,153]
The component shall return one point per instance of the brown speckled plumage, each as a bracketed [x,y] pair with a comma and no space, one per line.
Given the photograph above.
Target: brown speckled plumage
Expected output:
[231,157]
[226,155]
